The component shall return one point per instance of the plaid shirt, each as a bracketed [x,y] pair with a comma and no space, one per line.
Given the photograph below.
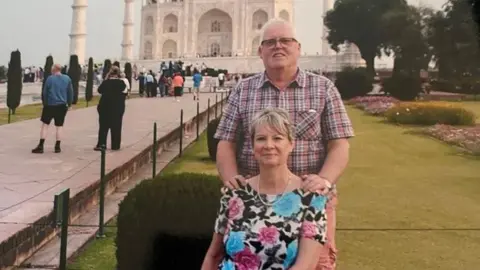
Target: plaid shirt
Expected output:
[315,108]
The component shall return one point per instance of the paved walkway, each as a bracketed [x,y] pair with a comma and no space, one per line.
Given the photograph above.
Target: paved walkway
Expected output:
[29,182]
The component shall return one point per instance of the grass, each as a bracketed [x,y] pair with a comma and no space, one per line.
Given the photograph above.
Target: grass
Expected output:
[395,180]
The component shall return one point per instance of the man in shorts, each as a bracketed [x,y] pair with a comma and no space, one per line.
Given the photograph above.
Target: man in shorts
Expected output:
[197,80]
[57,96]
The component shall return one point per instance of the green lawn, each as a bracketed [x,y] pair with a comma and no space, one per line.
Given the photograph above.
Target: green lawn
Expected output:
[396,180]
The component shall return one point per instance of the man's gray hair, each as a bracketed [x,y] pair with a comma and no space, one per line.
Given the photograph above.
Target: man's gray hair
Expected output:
[275,21]
[277,119]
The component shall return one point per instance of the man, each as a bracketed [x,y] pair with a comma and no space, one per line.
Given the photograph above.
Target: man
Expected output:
[322,126]
[197,80]
[57,97]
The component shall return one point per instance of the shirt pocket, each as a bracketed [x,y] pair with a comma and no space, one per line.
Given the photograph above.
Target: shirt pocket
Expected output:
[307,125]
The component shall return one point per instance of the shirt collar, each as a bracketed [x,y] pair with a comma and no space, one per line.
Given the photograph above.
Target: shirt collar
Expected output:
[299,80]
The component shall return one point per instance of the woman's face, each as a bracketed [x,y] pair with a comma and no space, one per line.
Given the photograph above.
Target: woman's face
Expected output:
[270,147]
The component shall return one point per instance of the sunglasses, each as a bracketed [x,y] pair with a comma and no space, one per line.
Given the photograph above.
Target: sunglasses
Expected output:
[282,41]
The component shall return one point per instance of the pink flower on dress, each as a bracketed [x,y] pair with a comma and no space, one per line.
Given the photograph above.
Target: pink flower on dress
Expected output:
[246,260]
[268,235]
[309,229]
[235,208]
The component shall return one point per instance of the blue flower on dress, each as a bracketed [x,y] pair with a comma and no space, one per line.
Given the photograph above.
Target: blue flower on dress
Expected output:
[318,202]
[292,250]
[228,265]
[288,205]
[235,243]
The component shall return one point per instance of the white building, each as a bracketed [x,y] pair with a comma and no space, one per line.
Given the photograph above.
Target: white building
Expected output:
[216,33]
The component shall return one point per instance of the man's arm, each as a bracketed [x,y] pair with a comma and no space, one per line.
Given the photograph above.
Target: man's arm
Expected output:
[336,128]
[226,132]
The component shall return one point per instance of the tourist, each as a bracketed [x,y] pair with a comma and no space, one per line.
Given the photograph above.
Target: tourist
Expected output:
[221,79]
[141,84]
[150,83]
[57,95]
[197,80]
[322,126]
[111,108]
[177,83]
[162,83]
[127,90]
[271,212]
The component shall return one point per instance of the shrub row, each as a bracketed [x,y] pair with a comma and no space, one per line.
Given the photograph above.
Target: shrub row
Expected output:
[430,113]
[167,222]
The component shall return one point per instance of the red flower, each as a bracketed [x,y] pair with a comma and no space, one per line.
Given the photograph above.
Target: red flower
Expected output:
[268,235]
[246,260]
[235,208]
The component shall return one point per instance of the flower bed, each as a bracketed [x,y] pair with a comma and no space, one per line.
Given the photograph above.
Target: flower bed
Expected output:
[465,137]
[430,113]
[373,105]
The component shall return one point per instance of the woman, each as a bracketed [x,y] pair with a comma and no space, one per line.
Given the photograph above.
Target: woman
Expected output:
[177,82]
[110,109]
[270,223]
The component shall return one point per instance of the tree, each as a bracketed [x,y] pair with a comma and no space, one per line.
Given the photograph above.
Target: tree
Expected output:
[406,40]
[107,65]
[360,22]
[128,73]
[117,64]
[15,81]
[74,72]
[47,71]
[89,86]
[3,73]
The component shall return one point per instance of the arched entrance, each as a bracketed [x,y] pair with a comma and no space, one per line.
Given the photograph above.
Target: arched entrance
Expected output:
[214,37]
[284,15]
[169,49]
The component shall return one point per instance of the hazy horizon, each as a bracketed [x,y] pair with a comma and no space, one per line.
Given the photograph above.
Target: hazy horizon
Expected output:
[38,33]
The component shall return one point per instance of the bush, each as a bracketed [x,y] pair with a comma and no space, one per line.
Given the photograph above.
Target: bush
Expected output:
[403,86]
[430,113]
[353,82]
[167,223]
[212,143]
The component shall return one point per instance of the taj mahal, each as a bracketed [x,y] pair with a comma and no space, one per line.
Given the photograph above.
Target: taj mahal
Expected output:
[216,33]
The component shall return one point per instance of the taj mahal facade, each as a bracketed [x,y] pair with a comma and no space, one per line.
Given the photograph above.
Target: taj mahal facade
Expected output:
[216,33]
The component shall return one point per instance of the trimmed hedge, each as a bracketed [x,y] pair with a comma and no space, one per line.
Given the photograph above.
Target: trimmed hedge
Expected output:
[353,82]
[167,223]
[212,143]
[403,86]
[430,113]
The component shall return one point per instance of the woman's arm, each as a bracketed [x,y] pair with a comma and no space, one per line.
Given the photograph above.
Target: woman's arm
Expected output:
[214,254]
[313,234]
[308,254]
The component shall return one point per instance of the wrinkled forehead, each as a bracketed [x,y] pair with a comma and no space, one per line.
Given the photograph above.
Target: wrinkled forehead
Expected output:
[278,30]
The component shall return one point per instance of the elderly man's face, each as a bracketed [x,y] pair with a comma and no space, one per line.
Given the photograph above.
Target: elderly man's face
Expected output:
[279,48]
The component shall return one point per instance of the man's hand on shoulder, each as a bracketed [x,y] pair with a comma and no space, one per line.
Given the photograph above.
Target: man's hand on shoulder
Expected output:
[235,182]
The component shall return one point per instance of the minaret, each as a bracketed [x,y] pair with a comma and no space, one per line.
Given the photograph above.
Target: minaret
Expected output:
[326,50]
[78,32]
[127,44]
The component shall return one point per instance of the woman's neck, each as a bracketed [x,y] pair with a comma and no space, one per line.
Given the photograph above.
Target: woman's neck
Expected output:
[273,180]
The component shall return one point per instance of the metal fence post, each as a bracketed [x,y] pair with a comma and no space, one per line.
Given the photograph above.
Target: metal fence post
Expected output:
[216,103]
[221,104]
[154,151]
[208,112]
[62,201]
[198,120]
[101,232]
[181,133]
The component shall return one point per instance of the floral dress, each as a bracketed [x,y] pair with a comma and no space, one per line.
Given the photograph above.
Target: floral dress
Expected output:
[258,236]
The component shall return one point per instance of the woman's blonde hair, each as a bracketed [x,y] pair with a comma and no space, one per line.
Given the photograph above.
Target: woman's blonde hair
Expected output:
[277,119]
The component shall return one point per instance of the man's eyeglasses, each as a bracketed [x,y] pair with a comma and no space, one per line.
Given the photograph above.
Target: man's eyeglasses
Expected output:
[283,41]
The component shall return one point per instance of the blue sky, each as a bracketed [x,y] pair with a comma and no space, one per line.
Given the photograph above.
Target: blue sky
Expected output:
[38,28]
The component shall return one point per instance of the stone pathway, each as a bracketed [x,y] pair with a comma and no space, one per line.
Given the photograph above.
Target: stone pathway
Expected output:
[29,182]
